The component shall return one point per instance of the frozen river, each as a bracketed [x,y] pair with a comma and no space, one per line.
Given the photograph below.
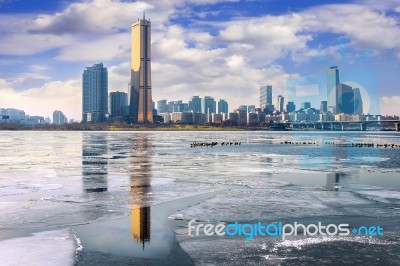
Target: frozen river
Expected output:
[95,198]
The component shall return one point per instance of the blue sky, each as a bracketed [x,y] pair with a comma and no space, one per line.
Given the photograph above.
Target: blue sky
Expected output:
[222,48]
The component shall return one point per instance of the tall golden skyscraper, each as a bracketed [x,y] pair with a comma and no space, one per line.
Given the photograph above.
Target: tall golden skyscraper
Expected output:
[141,110]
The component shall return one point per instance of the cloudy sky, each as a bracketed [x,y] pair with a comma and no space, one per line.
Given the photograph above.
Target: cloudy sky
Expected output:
[222,48]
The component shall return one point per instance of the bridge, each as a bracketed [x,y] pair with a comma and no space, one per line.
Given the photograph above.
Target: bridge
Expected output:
[339,125]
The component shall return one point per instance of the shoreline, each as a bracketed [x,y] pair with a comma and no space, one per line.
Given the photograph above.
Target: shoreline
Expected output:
[110,128]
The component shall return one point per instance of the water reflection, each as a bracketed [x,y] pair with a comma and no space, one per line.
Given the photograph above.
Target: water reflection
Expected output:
[333,180]
[140,178]
[94,162]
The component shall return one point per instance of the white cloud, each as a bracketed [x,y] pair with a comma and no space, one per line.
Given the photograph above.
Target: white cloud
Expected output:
[26,44]
[55,95]
[91,16]
[365,27]
[113,47]
[390,105]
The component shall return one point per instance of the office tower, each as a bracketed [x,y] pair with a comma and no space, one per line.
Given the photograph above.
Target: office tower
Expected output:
[279,103]
[324,107]
[222,106]
[195,104]
[265,96]
[358,102]
[305,105]
[332,81]
[140,96]
[176,106]
[95,94]
[170,106]
[59,118]
[162,106]
[290,107]
[250,108]
[345,99]
[243,108]
[208,105]
[118,102]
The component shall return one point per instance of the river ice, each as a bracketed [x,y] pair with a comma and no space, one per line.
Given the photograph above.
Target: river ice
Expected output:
[55,181]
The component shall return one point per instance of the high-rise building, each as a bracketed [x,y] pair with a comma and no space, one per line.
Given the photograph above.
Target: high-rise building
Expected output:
[95,94]
[59,118]
[332,81]
[290,107]
[195,104]
[305,105]
[177,106]
[358,102]
[345,99]
[324,107]
[118,103]
[162,106]
[140,96]
[250,107]
[222,106]
[208,105]
[265,96]
[279,103]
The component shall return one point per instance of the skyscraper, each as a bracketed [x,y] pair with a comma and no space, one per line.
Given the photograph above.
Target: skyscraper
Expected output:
[345,99]
[140,96]
[118,102]
[95,94]
[324,107]
[250,107]
[358,102]
[195,104]
[208,105]
[279,103]
[290,107]
[305,105]
[59,118]
[265,96]
[162,106]
[332,81]
[222,106]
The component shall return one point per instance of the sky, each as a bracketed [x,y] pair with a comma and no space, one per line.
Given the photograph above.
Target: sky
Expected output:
[222,48]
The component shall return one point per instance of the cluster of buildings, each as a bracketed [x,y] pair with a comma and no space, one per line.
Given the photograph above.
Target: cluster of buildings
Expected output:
[16,116]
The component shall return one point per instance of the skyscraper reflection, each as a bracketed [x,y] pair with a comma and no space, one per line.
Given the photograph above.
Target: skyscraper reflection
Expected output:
[140,178]
[94,162]
[333,180]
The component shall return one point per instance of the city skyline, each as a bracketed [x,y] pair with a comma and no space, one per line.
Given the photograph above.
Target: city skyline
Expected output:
[204,51]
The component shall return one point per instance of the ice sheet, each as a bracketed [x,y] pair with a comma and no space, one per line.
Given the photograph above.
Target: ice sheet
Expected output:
[43,248]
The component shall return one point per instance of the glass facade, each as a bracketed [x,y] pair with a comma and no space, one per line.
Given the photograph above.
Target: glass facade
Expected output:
[141,110]
[265,96]
[332,81]
[95,94]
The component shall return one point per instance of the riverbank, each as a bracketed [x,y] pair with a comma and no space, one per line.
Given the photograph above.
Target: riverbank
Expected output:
[123,127]
[159,127]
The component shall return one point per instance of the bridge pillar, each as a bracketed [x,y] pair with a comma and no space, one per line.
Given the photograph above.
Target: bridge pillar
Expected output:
[397,126]
[332,127]
[363,127]
[342,127]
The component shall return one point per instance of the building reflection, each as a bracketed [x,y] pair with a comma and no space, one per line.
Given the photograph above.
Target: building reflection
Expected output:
[140,178]
[94,162]
[333,180]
